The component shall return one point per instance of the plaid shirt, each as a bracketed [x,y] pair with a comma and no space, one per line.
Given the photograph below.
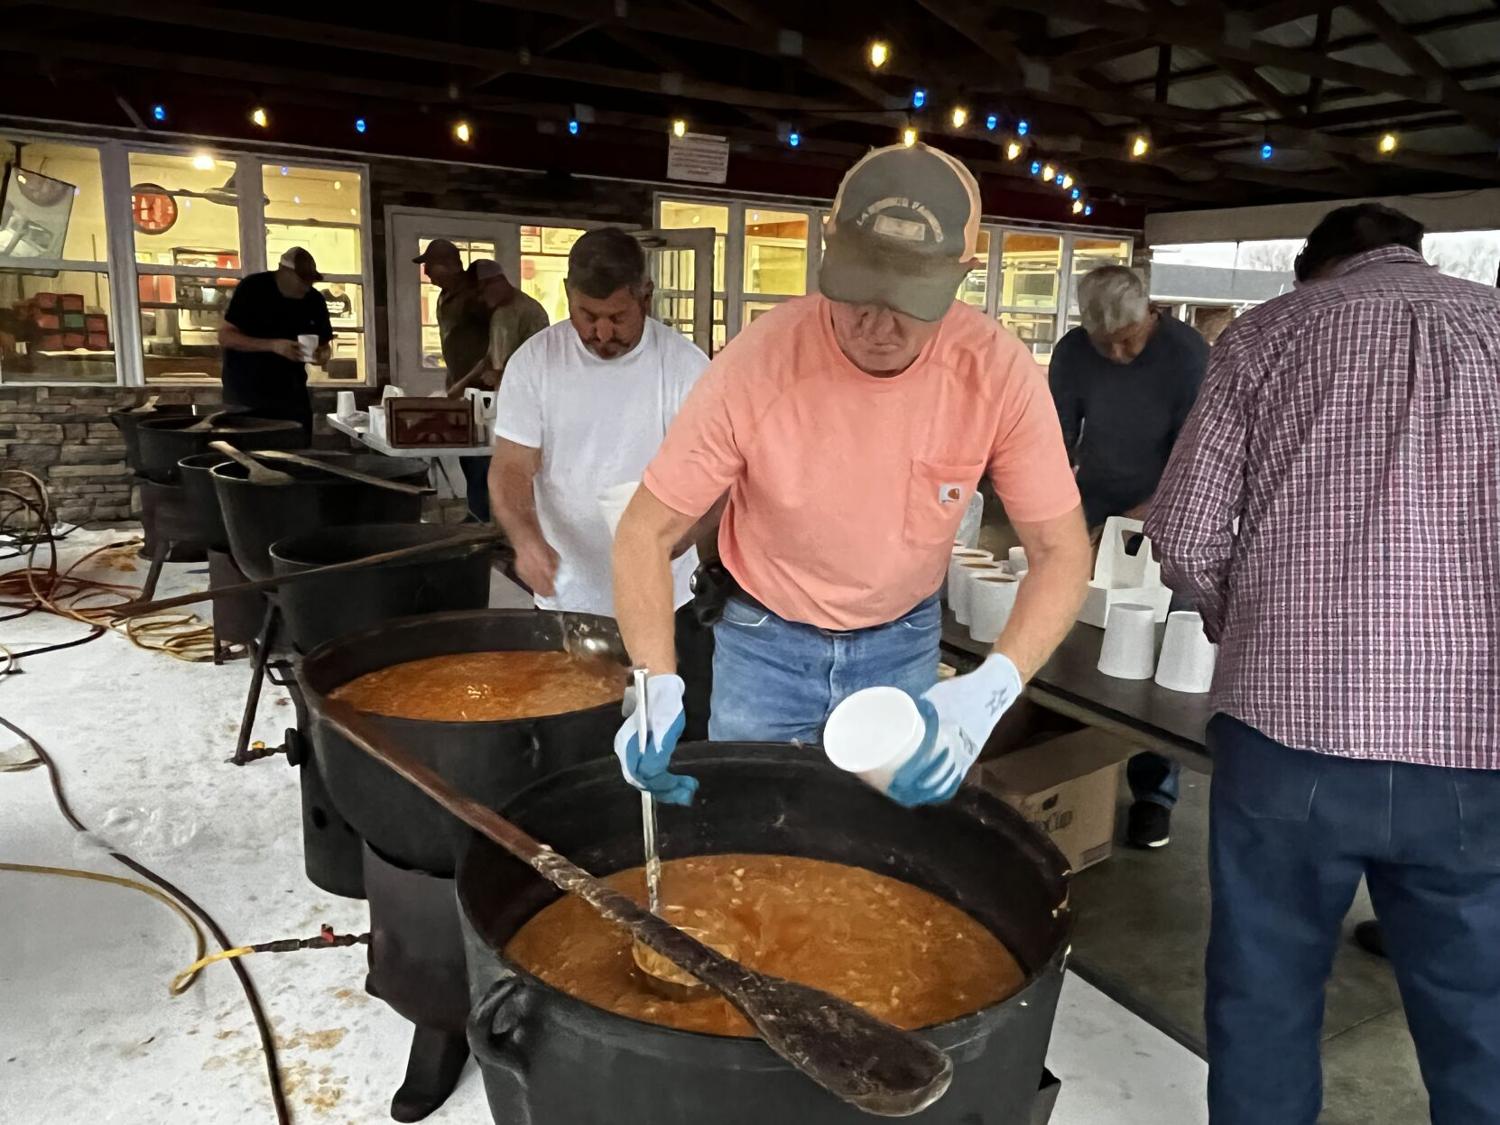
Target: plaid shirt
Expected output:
[1353,430]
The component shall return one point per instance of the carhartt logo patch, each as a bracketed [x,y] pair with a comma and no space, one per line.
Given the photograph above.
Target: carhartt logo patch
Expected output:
[950,493]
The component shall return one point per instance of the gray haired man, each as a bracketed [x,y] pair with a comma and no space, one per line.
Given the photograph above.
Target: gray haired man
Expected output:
[1124,383]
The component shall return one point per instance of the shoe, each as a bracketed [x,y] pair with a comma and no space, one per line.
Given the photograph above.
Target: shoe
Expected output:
[1149,825]
[1369,937]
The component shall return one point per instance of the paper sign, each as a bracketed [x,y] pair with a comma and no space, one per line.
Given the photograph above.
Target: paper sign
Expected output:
[700,157]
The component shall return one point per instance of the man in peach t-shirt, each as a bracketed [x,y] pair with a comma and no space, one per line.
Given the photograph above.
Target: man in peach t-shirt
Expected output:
[849,430]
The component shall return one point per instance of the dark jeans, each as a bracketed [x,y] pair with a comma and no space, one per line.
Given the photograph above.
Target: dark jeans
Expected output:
[1154,778]
[1291,834]
[477,486]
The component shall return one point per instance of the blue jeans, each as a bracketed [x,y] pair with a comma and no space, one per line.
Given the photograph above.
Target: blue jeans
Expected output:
[1291,833]
[1155,778]
[778,681]
[477,486]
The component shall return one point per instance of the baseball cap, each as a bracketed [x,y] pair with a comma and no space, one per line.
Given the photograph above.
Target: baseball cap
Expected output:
[438,248]
[485,269]
[300,262]
[903,231]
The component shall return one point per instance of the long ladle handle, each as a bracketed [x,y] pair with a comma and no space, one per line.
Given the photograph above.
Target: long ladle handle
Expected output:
[243,459]
[351,474]
[648,802]
[846,1050]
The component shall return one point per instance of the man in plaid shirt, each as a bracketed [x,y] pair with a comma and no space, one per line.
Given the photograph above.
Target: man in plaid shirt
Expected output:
[1352,428]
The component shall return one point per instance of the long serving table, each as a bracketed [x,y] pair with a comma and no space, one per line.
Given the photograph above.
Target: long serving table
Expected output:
[1170,722]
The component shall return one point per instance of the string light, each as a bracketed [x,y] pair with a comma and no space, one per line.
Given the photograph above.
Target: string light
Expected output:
[338,185]
[1088,209]
[1389,143]
[1059,178]
[259,118]
[573,127]
[679,128]
[1049,172]
[1023,127]
[1076,193]
[359,125]
[1077,206]
[159,112]
[285,171]
[1139,146]
[879,53]
[1036,167]
[992,123]
[960,117]
[1066,181]
[794,138]
[463,133]
[1266,151]
[1013,150]
[908,136]
[203,162]
[918,98]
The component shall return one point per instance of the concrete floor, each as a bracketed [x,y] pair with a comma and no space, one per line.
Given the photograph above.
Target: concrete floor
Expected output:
[1143,926]
[88,1032]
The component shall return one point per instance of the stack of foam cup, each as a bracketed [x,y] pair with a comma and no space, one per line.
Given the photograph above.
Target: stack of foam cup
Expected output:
[1129,649]
[1187,655]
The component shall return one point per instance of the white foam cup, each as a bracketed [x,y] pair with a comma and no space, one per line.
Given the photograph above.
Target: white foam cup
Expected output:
[308,344]
[1129,649]
[1017,559]
[1187,655]
[962,598]
[873,733]
[345,407]
[991,598]
[614,500]
[960,556]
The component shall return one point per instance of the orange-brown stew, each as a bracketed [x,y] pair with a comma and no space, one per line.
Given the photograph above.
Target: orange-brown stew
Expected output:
[480,687]
[894,949]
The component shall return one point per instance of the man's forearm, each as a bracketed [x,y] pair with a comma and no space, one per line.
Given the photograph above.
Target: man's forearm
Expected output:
[643,599]
[1047,604]
[513,500]
[232,338]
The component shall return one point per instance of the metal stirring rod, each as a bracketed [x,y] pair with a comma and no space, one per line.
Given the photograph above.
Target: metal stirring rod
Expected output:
[648,802]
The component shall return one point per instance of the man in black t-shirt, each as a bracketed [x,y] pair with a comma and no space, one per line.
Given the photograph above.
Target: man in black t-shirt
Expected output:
[264,366]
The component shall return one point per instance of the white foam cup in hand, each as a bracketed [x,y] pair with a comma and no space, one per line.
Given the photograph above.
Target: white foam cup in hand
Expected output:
[614,500]
[991,598]
[309,346]
[1017,559]
[962,599]
[1129,649]
[873,733]
[1187,655]
[960,556]
[345,407]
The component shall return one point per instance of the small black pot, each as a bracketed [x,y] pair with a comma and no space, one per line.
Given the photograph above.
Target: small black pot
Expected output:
[318,609]
[490,762]
[126,421]
[195,474]
[548,1057]
[257,515]
[166,441]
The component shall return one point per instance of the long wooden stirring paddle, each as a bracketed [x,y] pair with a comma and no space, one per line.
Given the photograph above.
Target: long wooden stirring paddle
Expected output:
[850,1053]
[335,469]
[254,470]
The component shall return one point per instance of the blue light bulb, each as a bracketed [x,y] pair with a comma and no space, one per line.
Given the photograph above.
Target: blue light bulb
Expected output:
[918,98]
[573,128]
[1076,193]
[794,138]
[159,112]
[991,122]
[1266,152]
[1088,209]
[359,125]
[1022,128]
[1036,167]
[1059,180]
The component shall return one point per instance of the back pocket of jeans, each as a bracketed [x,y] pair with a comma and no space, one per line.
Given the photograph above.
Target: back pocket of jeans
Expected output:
[1261,778]
[1479,814]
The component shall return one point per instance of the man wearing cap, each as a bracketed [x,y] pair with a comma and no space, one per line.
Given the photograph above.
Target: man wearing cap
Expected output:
[264,367]
[464,331]
[849,429]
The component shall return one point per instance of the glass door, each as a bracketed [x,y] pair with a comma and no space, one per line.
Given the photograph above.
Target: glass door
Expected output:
[416,347]
[681,264]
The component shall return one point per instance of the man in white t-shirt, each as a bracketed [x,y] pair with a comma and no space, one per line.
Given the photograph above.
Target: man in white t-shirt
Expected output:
[583,407]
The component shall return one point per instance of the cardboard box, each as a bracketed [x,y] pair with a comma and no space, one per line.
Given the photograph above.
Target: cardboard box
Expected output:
[1067,787]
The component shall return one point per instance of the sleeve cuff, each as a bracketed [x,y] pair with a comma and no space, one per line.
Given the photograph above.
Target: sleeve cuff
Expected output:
[530,441]
[669,496]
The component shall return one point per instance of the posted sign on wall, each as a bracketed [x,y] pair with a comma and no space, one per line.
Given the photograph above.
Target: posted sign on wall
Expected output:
[701,158]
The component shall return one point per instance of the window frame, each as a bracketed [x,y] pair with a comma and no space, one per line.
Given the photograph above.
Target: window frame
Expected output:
[123,271]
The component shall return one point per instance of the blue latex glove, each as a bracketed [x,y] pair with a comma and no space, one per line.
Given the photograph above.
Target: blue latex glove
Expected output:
[648,769]
[960,713]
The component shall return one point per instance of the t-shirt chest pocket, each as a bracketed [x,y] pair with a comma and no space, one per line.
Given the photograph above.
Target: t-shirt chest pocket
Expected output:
[936,497]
